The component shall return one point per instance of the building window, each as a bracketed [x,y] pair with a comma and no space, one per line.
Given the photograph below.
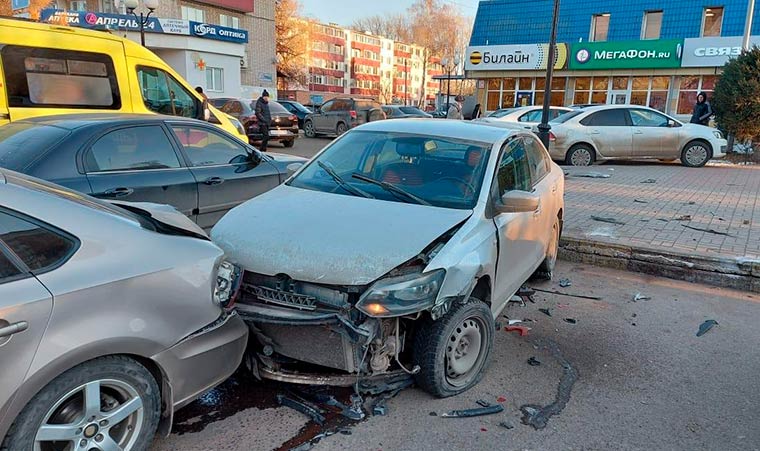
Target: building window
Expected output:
[712,21]
[600,25]
[229,21]
[193,14]
[78,5]
[215,79]
[108,7]
[650,29]
[690,87]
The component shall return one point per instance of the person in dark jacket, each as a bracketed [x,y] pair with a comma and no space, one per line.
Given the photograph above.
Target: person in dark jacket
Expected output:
[264,117]
[702,110]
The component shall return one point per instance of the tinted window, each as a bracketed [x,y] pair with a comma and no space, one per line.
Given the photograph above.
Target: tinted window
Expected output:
[233,107]
[164,95]
[646,118]
[7,269]
[532,116]
[132,148]
[514,169]
[537,158]
[275,107]
[554,114]
[341,105]
[327,106]
[38,247]
[607,118]
[207,148]
[410,110]
[21,143]
[561,119]
[388,111]
[40,77]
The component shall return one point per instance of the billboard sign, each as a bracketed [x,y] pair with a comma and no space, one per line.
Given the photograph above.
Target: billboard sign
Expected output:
[513,57]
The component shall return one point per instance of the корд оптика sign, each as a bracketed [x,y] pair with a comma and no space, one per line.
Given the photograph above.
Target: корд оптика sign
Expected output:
[655,54]
[86,19]
[513,57]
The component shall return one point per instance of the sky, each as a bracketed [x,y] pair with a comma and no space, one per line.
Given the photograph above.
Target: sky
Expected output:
[344,12]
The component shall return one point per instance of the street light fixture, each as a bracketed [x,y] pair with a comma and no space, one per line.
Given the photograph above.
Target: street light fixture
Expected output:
[445,63]
[131,5]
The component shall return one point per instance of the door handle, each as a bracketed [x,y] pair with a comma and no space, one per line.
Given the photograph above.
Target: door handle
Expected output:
[14,328]
[118,192]
[638,132]
[554,188]
[214,181]
[595,132]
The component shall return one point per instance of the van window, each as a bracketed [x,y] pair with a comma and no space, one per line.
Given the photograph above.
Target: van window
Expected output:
[162,94]
[50,78]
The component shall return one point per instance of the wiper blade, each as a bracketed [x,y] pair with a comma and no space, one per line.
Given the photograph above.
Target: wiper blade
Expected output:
[342,183]
[390,187]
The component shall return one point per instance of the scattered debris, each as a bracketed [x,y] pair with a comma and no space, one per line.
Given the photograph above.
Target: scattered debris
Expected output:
[579,296]
[345,431]
[546,311]
[706,326]
[512,322]
[564,283]
[526,293]
[560,306]
[310,411]
[523,330]
[690,203]
[607,220]
[592,175]
[713,231]
[649,181]
[533,362]
[433,414]
[633,324]
[571,320]
[477,412]
[483,430]
[639,201]
[683,218]
[633,316]
[745,222]
[517,299]
[501,399]
[641,297]
[483,403]
[663,220]
[506,425]
[379,409]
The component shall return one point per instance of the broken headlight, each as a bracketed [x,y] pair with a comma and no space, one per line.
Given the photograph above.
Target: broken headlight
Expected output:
[227,281]
[397,296]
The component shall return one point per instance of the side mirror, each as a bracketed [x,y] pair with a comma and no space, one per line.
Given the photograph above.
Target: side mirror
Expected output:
[292,168]
[518,202]
[671,123]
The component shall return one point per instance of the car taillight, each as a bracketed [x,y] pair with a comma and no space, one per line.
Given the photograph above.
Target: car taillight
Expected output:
[352,113]
[227,285]
[293,117]
[552,137]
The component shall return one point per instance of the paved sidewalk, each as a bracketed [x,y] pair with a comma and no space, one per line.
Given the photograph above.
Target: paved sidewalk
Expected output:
[661,216]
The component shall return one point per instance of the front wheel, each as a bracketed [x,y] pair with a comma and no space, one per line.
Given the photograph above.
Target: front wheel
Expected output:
[288,143]
[453,351]
[308,129]
[340,128]
[546,268]
[111,403]
[696,154]
[580,155]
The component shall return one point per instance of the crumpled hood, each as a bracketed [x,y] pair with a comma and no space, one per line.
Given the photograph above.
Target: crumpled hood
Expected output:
[165,214]
[328,238]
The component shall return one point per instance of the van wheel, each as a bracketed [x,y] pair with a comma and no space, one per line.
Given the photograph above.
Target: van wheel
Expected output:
[308,129]
[340,128]
[107,403]
[288,143]
[546,268]
[580,155]
[453,351]
[696,154]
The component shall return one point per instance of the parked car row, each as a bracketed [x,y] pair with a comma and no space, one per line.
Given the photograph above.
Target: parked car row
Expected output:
[283,127]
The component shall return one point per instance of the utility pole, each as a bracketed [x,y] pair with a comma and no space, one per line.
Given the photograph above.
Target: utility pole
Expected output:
[544,127]
[748,24]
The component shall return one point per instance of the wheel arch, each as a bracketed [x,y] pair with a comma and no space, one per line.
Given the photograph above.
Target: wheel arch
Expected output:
[701,141]
[582,143]
[482,289]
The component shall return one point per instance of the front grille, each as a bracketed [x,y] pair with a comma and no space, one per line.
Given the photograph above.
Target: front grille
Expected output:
[299,301]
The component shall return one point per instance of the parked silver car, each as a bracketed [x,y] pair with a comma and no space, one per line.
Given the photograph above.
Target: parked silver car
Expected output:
[613,132]
[110,318]
[393,251]
[525,117]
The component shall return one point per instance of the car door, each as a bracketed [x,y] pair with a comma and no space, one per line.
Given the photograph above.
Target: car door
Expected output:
[652,134]
[544,184]
[610,132]
[320,117]
[519,234]
[227,171]
[26,248]
[139,163]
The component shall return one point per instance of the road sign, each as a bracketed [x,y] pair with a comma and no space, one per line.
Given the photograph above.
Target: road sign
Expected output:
[19,4]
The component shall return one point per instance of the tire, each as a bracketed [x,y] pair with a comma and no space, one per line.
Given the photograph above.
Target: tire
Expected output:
[119,380]
[545,270]
[580,155]
[340,128]
[289,143]
[431,348]
[696,154]
[308,129]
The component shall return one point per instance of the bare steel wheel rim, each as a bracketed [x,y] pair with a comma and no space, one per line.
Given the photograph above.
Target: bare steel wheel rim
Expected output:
[581,157]
[102,415]
[465,351]
[696,154]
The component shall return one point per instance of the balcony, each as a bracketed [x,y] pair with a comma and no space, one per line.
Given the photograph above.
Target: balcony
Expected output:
[244,6]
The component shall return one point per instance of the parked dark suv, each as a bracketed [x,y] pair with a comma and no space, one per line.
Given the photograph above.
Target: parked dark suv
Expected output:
[337,116]
[283,128]
[296,108]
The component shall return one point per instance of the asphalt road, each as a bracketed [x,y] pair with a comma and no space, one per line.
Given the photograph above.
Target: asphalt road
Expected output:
[627,375]
[303,147]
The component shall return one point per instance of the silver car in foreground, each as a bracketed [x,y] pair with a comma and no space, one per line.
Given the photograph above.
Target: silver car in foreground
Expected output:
[393,250]
[614,132]
[110,319]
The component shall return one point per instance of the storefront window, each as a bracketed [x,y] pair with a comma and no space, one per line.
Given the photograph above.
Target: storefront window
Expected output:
[599,97]
[508,99]
[708,82]
[493,84]
[600,84]
[540,84]
[525,84]
[640,83]
[658,100]
[493,101]
[619,83]
[508,84]
[638,98]
[660,83]
[581,97]
[558,84]
[690,87]
[583,84]
[689,83]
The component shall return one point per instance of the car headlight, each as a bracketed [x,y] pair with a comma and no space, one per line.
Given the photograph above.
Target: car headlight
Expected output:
[718,134]
[238,126]
[398,296]
[227,282]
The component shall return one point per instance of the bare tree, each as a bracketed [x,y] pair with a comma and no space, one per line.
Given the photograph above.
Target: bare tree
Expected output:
[392,26]
[292,35]
[35,7]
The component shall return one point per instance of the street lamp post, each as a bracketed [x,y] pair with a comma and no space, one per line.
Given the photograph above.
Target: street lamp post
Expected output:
[449,68]
[544,127]
[144,19]
[748,25]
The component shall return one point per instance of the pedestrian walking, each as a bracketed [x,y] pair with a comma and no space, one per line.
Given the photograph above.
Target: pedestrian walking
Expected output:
[455,110]
[702,110]
[264,117]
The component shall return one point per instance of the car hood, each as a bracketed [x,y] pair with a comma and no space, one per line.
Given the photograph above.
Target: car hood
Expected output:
[285,158]
[165,214]
[698,130]
[328,238]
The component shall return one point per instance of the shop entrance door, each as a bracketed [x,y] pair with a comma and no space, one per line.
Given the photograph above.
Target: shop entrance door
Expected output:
[617,98]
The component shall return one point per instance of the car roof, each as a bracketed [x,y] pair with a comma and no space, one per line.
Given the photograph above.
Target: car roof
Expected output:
[441,128]
[76,121]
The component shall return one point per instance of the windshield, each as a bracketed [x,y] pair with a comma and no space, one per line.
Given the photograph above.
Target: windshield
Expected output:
[442,172]
[561,119]
[300,107]
[410,110]
[23,143]
[501,113]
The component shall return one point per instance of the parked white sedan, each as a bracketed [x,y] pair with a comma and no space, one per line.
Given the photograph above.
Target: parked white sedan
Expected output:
[393,250]
[527,117]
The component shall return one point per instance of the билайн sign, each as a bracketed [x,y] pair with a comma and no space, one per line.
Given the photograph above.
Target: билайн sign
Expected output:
[513,57]
[663,53]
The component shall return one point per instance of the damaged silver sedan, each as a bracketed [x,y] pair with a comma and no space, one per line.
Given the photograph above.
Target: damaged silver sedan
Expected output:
[393,251]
